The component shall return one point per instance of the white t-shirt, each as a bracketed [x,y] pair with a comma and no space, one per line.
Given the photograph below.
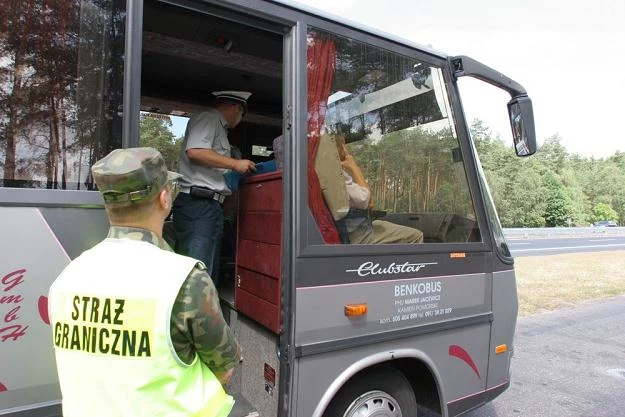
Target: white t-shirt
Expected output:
[358,195]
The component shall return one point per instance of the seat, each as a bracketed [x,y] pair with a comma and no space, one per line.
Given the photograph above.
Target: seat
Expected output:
[332,182]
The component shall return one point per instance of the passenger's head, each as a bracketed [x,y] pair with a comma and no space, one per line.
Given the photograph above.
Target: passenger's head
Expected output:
[232,105]
[136,186]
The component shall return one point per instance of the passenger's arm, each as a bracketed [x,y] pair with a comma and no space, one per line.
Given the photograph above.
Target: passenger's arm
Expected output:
[354,170]
[198,327]
[359,197]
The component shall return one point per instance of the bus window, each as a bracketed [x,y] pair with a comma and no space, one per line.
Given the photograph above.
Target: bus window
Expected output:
[156,131]
[61,74]
[383,146]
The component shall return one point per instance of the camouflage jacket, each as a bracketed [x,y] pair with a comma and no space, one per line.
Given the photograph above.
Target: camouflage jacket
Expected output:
[197,323]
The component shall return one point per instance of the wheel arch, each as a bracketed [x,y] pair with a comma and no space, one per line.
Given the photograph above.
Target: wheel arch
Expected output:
[418,368]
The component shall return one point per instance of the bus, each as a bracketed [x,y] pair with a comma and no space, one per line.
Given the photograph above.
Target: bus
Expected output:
[330,323]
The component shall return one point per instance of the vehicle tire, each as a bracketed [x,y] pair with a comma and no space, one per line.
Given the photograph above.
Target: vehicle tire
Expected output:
[384,392]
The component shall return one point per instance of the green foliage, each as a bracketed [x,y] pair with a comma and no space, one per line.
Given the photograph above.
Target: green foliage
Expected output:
[603,211]
[552,188]
[517,206]
[155,132]
[559,207]
[552,155]
[413,170]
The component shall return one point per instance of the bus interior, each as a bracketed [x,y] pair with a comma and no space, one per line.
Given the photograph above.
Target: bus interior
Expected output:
[189,53]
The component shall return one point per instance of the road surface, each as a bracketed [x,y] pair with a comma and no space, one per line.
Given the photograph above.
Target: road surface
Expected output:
[552,246]
[568,363]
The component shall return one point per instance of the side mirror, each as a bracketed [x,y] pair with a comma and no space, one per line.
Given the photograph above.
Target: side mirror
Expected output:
[522,123]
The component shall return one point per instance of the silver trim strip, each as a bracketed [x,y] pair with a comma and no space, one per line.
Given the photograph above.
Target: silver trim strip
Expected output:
[28,197]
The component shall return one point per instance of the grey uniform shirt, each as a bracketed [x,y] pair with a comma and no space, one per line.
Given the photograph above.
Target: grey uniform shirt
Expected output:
[206,130]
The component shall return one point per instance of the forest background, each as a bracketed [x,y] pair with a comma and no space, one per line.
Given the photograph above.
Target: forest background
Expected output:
[552,188]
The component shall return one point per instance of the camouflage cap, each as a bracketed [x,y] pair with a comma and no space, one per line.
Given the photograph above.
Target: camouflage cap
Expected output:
[131,175]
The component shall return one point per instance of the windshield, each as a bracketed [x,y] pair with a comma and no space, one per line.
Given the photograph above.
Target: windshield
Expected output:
[392,113]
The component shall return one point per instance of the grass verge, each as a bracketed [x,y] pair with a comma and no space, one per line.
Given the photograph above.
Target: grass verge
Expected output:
[547,283]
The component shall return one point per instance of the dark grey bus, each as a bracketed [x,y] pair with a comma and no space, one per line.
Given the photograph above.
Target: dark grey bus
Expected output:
[331,323]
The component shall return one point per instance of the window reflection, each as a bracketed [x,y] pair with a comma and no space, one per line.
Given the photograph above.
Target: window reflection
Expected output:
[61,73]
[392,113]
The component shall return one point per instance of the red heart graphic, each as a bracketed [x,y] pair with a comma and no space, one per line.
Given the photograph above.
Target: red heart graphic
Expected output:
[2,387]
[43,309]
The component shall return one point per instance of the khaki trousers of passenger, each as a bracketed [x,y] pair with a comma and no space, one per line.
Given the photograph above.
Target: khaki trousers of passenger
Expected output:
[386,232]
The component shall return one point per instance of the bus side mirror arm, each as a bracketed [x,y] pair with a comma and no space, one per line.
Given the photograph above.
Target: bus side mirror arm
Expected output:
[464,66]
[520,110]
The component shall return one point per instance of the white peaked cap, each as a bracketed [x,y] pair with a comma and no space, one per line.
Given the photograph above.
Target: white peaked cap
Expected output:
[241,96]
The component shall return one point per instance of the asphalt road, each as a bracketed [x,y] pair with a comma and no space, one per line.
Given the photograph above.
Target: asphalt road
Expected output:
[538,247]
[568,363]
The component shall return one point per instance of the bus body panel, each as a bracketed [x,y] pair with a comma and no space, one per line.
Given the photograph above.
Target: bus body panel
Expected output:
[426,310]
[392,305]
[37,244]
[505,309]
[326,373]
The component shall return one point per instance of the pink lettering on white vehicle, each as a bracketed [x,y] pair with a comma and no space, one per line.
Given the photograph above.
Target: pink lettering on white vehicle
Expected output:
[11,301]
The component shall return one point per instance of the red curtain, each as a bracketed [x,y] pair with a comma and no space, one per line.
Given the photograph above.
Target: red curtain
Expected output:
[321,60]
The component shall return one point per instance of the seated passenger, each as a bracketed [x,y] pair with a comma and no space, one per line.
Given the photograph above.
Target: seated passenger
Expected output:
[358,223]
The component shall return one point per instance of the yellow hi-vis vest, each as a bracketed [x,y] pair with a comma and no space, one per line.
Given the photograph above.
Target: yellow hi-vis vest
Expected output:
[110,316]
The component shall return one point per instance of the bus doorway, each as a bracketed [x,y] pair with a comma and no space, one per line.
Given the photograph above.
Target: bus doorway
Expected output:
[188,53]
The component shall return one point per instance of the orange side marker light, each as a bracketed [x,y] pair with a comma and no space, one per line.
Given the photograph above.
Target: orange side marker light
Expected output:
[354,310]
[501,349]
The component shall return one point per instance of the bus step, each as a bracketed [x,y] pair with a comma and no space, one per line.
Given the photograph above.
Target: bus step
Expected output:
[242,407]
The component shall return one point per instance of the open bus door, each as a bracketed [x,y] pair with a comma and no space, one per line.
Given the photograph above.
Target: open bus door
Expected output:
[187,52]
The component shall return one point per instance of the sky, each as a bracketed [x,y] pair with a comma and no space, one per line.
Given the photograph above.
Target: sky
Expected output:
[568,54]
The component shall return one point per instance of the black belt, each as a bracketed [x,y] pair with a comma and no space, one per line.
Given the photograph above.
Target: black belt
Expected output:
[207,194]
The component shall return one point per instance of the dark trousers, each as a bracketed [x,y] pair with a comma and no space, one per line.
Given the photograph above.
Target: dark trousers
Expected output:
[199,223]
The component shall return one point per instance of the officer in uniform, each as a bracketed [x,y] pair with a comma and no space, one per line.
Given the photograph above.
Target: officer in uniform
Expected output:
[137,328]
[205,156]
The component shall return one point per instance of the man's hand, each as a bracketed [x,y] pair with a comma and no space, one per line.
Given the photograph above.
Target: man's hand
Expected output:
[349,164]
[243,166]
[224,377]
